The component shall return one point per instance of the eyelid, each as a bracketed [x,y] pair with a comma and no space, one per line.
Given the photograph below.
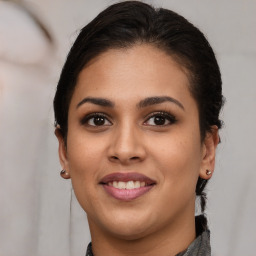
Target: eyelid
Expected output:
[164,114]
[87,117]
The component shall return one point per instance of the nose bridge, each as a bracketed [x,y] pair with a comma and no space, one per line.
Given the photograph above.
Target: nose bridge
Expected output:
[127,143]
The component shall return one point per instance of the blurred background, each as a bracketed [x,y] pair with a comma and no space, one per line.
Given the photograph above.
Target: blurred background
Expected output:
[39,214]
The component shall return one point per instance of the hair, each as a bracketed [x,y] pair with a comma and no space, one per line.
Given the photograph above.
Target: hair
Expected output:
[126,24]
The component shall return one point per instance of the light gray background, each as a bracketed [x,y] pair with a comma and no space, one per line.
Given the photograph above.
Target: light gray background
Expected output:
[36,217]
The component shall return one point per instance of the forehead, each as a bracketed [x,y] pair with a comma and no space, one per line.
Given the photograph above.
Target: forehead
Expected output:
[125,74]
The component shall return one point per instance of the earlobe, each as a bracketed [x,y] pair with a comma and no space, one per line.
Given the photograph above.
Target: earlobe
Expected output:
[62,154]
[209,152]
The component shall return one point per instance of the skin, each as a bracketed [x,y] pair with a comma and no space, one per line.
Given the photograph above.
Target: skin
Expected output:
[161,222]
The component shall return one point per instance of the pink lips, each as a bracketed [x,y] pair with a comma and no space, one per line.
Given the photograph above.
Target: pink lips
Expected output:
[127,194]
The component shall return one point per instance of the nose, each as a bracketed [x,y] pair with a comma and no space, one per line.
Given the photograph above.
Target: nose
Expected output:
[126,146]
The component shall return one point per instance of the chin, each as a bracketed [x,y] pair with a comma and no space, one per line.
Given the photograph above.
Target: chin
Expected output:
[128,231]
[129,225]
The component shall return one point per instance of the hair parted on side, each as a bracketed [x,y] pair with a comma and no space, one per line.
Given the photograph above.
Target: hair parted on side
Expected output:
[126,24]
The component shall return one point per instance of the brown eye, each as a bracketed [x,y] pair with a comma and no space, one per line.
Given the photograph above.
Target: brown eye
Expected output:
[160,119]
[96,120]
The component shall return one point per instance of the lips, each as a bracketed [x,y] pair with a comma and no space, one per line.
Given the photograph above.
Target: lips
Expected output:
[127,186]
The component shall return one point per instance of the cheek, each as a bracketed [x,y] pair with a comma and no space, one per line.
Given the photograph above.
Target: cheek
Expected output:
[179,165]
[178,157]
[86,159]
[84,152]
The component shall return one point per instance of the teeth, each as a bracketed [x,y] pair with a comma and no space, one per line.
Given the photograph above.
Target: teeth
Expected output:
[143,184]
[136,184]
[121,185]
[130,185]
[115,184]
[127,185]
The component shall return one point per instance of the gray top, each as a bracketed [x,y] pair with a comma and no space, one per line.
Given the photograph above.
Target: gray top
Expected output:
[199,247]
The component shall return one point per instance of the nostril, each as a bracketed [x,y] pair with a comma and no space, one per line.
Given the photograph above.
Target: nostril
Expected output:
[134,158]
[114,159]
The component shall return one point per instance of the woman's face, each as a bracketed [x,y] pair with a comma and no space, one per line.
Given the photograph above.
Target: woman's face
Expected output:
[133,151]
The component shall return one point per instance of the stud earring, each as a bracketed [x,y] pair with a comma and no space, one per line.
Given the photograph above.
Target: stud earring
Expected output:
[208,172]
[64,174]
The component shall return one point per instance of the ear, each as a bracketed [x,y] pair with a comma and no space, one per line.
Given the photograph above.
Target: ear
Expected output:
[62,154]
[209,152]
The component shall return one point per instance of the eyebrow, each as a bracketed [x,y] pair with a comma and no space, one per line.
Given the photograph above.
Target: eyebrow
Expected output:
[142,104]
[157,100]
[97,101]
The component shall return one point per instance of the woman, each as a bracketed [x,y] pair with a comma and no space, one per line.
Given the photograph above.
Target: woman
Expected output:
[137,118]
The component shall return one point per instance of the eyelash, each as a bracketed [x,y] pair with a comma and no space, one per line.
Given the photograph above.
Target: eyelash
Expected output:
[85,120]
[162,114]
[165,115]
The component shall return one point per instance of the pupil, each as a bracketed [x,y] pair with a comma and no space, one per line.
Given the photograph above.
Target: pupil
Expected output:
[99,120]
[159,120]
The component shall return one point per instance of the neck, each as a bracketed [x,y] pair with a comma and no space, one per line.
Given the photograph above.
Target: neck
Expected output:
[170,240]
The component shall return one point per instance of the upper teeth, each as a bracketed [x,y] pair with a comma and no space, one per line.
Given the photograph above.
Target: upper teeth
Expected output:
[127,185]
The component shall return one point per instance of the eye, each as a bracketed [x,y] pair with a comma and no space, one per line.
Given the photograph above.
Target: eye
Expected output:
[160,119]
[96,119]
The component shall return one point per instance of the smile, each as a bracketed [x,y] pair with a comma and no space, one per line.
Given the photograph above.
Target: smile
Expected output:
[127,186]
